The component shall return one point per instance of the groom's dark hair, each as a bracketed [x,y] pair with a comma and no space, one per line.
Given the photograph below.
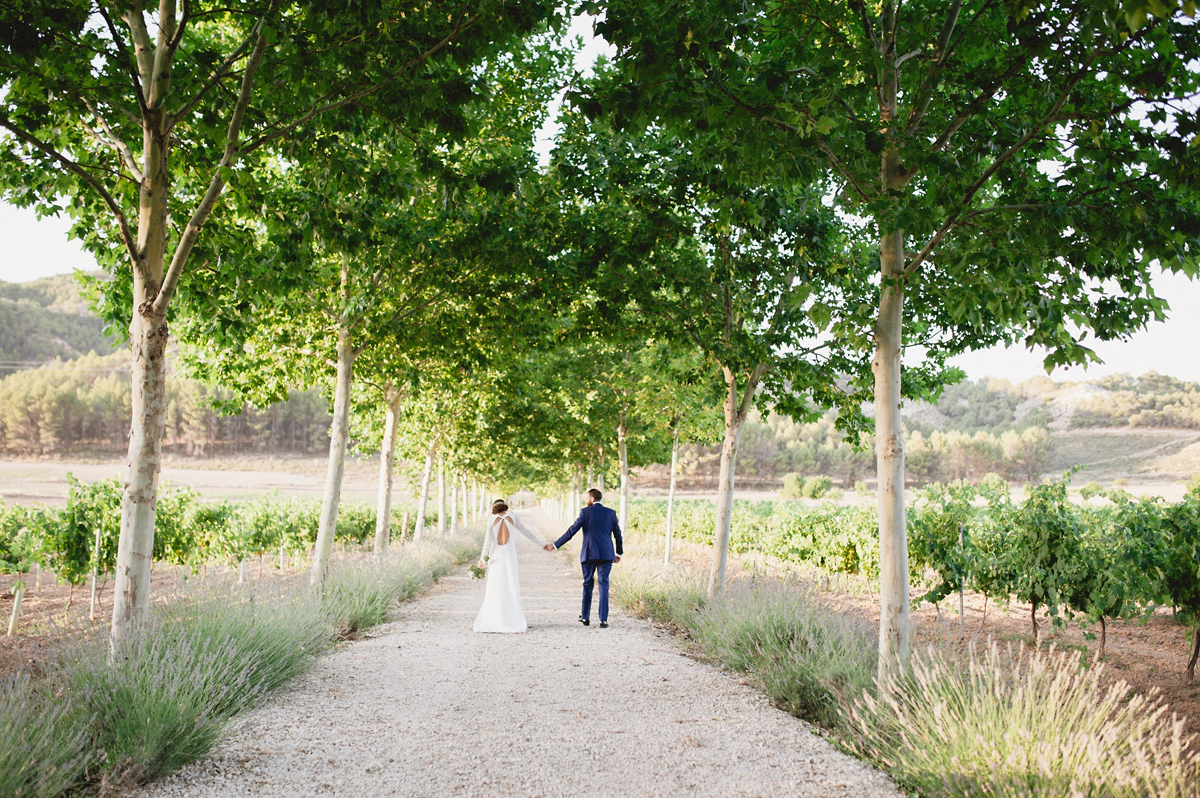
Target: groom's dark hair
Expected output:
[595,494]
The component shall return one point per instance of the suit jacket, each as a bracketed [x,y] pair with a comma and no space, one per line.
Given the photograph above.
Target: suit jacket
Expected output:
[600,528]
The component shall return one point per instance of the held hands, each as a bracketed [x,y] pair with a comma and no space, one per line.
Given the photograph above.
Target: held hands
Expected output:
[548,547]
[618,556]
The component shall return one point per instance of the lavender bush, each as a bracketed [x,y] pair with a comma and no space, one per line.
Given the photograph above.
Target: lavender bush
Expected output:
[206,655]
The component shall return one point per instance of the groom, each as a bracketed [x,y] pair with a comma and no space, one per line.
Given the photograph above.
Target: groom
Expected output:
[600,527]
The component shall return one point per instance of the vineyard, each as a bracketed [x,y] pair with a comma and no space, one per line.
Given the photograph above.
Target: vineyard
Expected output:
[82,538]
[1109,556]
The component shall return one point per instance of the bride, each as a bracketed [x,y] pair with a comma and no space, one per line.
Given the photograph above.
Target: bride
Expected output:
[501,610]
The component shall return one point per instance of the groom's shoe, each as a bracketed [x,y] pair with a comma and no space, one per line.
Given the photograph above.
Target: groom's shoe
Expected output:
[584,621]
[604,624]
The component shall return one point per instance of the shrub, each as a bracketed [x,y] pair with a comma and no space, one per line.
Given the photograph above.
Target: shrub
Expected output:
[1045,548]
[164,699]
[43,755]
[670,597]
[808,658]
[817,486]
[1022,724]
[793,486]
[1120,482]
[357,596]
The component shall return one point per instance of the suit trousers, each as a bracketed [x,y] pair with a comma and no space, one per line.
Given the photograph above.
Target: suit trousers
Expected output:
[595,571]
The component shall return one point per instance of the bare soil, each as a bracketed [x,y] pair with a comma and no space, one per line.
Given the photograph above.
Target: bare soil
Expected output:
[54,615]
[1150,654]
[1142,455]
[243,478]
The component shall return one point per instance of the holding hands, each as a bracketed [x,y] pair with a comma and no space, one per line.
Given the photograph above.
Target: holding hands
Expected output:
[548,547]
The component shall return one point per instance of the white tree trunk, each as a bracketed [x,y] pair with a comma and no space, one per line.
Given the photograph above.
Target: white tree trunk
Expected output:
[441,485]
[889,454]
[339,439]
[671,493]
[623,454]
[419,527]
[591,478]
[453,506]
[135,546]
[575,492]
[735,414]
[387,464]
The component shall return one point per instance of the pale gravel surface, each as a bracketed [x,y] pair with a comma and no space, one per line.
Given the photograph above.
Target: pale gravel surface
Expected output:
[427,707]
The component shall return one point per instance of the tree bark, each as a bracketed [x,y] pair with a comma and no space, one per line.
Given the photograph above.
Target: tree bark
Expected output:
[1103,636]
[387,463]
[453,505]
[623,455]
[736,411]
[419,525]
[135,546]
[889,452]
[339,440]
[671,492]
[441,486]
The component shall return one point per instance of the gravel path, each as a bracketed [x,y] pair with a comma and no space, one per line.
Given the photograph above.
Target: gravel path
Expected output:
[427,707]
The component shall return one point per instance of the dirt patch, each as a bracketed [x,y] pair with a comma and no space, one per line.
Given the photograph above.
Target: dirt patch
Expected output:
[1150,654]
[54,615]
[1136,453]
[239,479]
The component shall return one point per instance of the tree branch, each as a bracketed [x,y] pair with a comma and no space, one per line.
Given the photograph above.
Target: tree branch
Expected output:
[940,55]
[122,223]
[221,71]
[861,8]
[321,106]
[142,48]
[1034,130]
[134,77]
[184,18]
[188,239]
[115,142]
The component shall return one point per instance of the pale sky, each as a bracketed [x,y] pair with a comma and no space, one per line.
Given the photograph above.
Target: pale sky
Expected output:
[31,248]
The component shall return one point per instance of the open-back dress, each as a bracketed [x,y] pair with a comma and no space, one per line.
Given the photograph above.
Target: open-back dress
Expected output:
[501,611]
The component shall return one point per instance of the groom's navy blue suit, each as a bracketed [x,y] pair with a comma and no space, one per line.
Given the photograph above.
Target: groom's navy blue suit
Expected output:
[600,528]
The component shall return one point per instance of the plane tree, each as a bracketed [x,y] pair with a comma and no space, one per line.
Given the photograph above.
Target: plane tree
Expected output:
[1020,169]
[379,246]
[762,281]
[137,119]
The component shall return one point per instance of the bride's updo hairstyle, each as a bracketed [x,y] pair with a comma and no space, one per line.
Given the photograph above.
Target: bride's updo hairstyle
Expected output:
[499,506]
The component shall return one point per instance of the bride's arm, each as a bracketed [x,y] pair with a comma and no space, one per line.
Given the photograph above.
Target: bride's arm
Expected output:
[524,530]
[488,541]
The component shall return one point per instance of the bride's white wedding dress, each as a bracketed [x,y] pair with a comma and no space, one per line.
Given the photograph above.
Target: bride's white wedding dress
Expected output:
[501,611]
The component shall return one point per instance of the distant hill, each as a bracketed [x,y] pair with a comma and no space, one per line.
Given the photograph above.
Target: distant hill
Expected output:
[47,319]
[1151,401]
[1120,426]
